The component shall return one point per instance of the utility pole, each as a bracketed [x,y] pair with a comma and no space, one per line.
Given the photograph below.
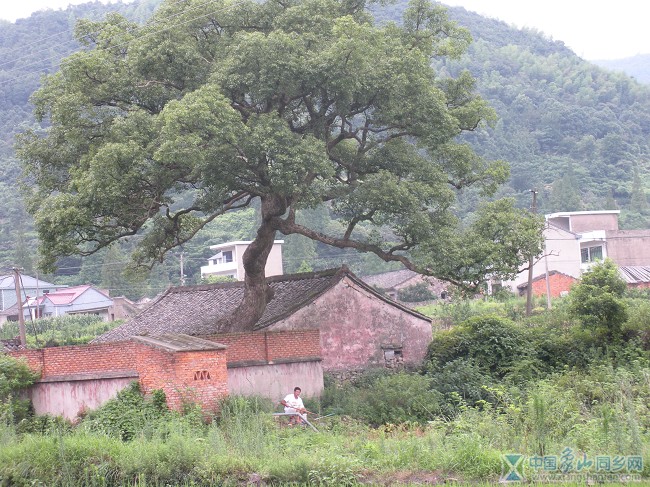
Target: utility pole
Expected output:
[19,304]
[182,272]
[548,280]
[529,288]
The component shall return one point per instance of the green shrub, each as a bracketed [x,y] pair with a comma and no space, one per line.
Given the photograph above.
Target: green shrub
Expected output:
[416,293]
[493,344]
[394,398]
[462,383]
[15,376]
[597,300]
[129,414]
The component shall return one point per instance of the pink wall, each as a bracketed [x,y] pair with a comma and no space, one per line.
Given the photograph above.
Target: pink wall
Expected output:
[277,380]
[355,324]
[591,222]
[629,247]
[70,398]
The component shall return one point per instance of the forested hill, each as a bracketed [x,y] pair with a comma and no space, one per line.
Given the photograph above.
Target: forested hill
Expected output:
[637,66]
[576,132]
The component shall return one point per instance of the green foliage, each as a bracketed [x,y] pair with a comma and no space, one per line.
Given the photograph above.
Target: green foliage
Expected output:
[381,397]
[416,293]
[129,414]
[493,343]
[597,300]
[217,279]
[15,376]
[60,330]
[284,111]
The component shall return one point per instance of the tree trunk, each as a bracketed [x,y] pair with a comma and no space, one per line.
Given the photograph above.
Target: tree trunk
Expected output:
[257,292]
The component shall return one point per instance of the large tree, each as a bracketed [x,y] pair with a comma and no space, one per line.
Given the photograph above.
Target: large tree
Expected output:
[292,103]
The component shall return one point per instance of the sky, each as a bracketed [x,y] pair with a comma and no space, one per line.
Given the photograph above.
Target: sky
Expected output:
[594,30]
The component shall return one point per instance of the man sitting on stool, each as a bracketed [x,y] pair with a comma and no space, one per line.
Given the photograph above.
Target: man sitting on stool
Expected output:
[293,404]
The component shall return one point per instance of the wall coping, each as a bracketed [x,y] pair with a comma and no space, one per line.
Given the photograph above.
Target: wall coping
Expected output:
[252,363]
[115,374]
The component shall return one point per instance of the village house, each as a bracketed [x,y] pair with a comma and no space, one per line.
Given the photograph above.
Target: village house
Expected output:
[30,287]
[393,282]
[74,300]
[228,260]
[322,321]
[575,241]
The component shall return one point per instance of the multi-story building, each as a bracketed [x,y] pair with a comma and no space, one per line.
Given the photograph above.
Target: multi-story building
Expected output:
[574,241]
[228,260]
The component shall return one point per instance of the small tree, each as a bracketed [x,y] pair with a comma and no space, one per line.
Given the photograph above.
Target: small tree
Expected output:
[597,301]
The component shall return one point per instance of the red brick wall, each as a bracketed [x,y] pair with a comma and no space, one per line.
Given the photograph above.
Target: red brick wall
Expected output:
[81,359]
[173,372]
[559,283]
[270,346]
[198,376]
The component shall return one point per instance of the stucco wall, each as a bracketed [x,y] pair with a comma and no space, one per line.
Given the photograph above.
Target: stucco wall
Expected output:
[596,221]
[629,247]
[563,255]
[69,398]
[276,380]
[354,325]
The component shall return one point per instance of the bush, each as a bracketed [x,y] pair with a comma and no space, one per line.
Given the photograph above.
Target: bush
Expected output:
[597,300]
[385,397]
[15,376]
[493,343]
[416,293]
[128,414]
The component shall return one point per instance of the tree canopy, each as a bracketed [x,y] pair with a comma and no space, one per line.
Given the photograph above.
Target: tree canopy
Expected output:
[285,104]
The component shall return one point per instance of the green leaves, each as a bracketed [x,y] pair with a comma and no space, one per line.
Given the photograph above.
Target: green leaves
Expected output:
[157,130]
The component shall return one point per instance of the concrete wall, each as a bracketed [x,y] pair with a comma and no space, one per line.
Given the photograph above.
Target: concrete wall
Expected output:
[563,255]
[355,327]
[594,221]
[629,247]
[70,397]
[276,380]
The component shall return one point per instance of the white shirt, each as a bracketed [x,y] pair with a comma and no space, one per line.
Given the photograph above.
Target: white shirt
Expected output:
[293,403]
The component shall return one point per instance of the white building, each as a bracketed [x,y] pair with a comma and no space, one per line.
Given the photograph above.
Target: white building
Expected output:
[228,260]
[575,240]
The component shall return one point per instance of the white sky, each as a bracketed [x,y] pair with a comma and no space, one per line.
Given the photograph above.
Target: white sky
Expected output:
[593,29]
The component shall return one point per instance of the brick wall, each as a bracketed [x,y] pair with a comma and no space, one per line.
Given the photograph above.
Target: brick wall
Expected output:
[197,376]
[558,282]
[200,376]
[270,346]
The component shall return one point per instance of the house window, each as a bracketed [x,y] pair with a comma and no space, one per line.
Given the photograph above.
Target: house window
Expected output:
[591,254]
[393,357]
[227,256]
[202,375]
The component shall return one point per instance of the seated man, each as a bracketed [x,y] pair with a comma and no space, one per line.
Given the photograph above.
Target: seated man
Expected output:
[293,404]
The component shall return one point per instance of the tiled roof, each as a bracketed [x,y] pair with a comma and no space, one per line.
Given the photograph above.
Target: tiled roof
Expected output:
[10,344]
[197,310]
[635,274]
[177,342]
[388,280]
